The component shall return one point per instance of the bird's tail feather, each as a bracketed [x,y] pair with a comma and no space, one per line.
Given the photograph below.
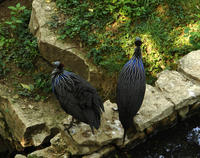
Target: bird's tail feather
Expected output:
[124,136]
[92,129]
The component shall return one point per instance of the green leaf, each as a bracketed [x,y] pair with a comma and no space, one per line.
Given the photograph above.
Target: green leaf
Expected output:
[29,87]
[13,13]
[13,26]
[2,43]
[12,8]
[8,22]
[19,21]
[18,5]
[22,8]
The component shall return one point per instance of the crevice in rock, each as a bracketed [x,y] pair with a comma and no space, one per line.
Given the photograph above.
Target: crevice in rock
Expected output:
[30,149]
[189,77]
[46,143]
[7,142]
[6,147]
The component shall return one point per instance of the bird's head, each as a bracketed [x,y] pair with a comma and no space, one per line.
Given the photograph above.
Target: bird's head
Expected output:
[138,41]
[58,65]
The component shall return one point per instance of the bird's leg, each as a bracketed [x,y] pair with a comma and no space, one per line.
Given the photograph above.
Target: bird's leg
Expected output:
[92,129]
[68,126]
[71,123]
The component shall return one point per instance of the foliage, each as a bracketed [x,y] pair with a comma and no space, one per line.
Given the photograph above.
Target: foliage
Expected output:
[16,36]
[18,45]
[15,19]
[107,30]
[34,156]
[3,61]
[194,36]
[41,83]
[3,68]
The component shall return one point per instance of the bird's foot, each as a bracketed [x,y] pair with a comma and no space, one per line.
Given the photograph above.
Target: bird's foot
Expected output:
[70,125]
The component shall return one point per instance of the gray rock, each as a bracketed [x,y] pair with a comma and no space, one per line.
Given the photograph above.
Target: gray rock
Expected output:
[29,123]
[72,55]
[53,49]
[190,65]
[181,91]
[3,131]
[155,108]
[20,156]
[101,153]
[47,153]
[109,130]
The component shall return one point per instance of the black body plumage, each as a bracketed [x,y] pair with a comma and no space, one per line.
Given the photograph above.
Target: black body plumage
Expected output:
[76,96]
[131,88]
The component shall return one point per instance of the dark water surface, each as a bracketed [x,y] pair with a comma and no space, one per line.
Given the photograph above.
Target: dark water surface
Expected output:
[181,141]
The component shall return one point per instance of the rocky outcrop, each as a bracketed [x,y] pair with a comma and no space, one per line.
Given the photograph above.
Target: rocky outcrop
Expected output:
[69,53]
[155,108]
[179,90]
[27,123]
[190,65]
[50,47]
[20,156]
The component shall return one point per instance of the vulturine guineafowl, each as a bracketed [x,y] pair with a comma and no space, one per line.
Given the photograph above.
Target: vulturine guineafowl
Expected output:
[76,96]
[131,88]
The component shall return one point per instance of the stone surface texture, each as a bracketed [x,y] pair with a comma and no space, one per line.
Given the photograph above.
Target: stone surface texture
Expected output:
[66,51]
[50,47]
[155,108]
[190,64]
[175,87]
[29,122]
[20,156]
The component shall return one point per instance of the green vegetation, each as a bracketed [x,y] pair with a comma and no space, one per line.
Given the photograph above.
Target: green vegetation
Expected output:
[34,156]
[18,46]
[107,29]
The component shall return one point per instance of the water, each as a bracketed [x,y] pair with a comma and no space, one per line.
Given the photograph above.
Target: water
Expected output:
[181,141]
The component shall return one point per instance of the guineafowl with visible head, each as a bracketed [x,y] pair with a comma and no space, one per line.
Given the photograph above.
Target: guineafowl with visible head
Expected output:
[76,96]
[131,88]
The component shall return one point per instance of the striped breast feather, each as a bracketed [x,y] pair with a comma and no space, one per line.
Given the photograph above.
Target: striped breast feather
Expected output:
[62,83]
[132,70]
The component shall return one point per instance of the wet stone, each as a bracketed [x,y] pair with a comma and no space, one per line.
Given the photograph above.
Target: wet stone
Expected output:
[194,136]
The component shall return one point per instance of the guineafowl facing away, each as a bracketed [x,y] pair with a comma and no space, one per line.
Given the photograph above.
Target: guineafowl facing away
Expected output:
[131,88]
